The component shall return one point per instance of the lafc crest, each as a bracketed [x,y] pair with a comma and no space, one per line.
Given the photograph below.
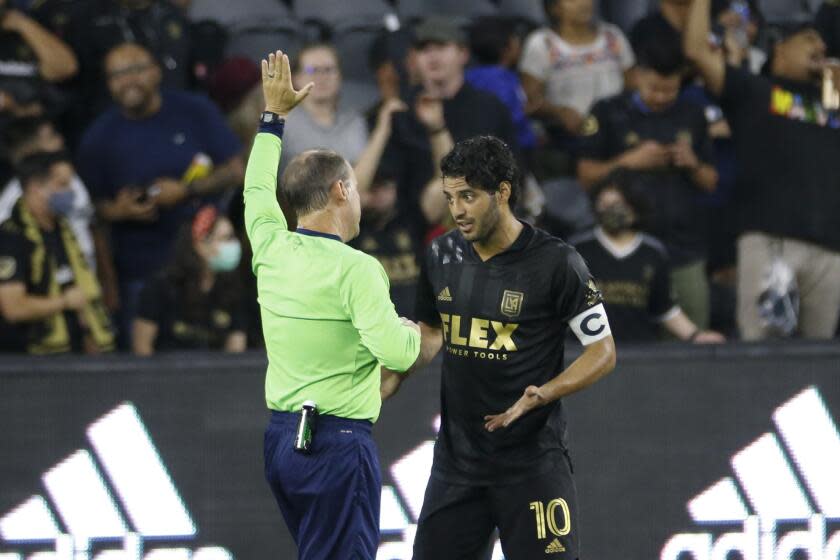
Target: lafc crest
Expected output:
[512,303]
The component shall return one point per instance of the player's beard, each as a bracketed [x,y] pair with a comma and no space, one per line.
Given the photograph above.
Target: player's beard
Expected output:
[486,226]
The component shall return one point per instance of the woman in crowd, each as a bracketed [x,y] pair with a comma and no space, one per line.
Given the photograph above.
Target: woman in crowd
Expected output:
[196,303]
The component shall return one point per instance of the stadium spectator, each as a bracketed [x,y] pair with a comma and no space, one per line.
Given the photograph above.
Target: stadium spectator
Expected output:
[50,299]
[31,58]
[669,19]
[29,52]
[786,145]
[236,88]
[147,161]
[738,23]
[393,238]
[445,110]
[30,135]
[196,303]
[321,122]
[495,48]
[94,27]
[633,269]
[663,141]
[568,67]
[393,60]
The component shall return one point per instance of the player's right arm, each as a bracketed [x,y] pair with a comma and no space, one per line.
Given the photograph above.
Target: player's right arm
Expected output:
[262,211]
[711,64]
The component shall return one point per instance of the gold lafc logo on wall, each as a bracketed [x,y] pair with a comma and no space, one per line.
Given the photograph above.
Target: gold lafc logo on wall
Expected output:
[512,303]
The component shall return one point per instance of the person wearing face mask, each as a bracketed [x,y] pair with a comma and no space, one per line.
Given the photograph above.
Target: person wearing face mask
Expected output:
[196,303]
[50,300]
[632,269]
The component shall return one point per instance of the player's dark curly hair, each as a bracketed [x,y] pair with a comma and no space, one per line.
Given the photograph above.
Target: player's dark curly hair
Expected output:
[484,162]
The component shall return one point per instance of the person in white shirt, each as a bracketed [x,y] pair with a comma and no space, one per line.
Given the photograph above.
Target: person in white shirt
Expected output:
[568,67]
[29,135]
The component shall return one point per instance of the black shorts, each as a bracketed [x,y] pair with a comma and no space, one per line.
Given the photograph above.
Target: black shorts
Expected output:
[536,518]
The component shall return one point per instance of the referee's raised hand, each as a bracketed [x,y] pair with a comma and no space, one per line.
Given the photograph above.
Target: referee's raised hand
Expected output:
[278,90]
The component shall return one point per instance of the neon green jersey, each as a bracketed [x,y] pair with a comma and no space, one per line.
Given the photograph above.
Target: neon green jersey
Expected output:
[327,316]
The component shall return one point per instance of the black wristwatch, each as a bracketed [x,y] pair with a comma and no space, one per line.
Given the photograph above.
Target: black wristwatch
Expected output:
[267,117]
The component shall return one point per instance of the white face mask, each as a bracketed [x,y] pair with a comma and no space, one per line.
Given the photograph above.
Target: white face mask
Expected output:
[228,256]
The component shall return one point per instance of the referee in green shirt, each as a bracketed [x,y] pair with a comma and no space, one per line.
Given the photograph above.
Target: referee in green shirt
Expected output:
[329,325]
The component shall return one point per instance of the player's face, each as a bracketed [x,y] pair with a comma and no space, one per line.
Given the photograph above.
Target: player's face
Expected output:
[475,211]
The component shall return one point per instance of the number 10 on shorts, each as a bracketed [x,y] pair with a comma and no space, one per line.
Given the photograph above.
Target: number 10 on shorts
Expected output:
[546,516]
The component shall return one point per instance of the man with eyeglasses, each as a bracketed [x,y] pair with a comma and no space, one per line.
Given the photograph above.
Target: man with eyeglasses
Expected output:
[148,161]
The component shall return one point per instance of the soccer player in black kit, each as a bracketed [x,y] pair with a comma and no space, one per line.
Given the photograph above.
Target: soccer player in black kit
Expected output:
[498,296]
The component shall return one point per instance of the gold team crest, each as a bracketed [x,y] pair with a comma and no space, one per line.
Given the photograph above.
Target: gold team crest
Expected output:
[512,303]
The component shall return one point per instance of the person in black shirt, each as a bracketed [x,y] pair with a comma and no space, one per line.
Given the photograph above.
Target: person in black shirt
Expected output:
[663,141]
[786,196]
[446,110]
[393,239]
[498,296]
[633,269]
[196,303]
[50,300]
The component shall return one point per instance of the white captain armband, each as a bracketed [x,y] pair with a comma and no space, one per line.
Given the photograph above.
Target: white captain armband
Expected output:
[591,325]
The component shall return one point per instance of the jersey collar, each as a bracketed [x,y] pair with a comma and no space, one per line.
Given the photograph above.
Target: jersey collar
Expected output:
[311,233]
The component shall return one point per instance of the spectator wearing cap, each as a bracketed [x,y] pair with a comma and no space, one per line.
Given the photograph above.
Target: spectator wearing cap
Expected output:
[445,109]
[569,66]
[495,48]
[29,135]
[196,302]
[633,268]
[236,88]
[786,196]
[30,55]
[50,299]
[148,162]
[663,141]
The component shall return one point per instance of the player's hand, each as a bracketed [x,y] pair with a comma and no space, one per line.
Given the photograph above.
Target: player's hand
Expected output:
[709,337]
[429,111]
[278,91]
[389,384]
[533,398]
[647,155]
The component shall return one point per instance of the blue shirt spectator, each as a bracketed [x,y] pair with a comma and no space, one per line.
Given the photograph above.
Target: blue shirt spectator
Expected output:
[505,84]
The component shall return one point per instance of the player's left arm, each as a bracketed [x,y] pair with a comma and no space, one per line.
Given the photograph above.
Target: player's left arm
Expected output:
[588,320]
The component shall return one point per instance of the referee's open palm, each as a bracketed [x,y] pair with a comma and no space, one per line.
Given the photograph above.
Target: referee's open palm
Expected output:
[278,90]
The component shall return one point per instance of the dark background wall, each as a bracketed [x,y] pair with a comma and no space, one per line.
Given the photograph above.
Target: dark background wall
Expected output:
[644,441]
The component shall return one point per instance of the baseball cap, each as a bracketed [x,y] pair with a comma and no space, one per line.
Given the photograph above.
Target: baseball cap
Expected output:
[436,29]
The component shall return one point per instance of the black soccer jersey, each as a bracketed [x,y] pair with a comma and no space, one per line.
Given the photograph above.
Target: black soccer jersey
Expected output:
[635,283]
[504,322]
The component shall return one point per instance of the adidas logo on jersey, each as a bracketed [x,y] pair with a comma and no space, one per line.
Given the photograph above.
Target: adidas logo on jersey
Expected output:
[444,295]
[120,494]
[790,484]
[555,547]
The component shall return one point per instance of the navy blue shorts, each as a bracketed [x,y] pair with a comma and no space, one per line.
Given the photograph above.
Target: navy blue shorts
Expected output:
[329,498]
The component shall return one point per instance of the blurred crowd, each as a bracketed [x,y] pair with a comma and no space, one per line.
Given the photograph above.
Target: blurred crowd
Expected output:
[687,148]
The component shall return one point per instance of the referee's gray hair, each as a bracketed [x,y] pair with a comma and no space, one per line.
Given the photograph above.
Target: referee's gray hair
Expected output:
[306,183]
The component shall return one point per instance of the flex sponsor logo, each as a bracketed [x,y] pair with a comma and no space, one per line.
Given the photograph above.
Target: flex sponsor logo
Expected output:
[783,501]
[117,502]
[478,338]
